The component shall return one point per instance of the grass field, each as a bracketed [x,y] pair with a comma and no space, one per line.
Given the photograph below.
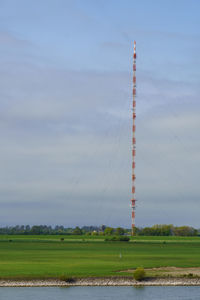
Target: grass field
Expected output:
[83,256]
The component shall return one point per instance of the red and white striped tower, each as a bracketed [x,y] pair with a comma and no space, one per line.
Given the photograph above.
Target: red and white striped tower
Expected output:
[133,199]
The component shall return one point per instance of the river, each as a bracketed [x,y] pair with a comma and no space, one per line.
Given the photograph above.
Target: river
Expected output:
[100,293]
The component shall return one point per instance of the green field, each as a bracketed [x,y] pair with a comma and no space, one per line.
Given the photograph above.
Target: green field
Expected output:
[82,256]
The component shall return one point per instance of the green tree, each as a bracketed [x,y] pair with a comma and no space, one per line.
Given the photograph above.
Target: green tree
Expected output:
[185,231]
[119,231]
[109,231]
[77,231]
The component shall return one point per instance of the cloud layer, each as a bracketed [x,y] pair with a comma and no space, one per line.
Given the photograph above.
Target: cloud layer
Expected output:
[65,126]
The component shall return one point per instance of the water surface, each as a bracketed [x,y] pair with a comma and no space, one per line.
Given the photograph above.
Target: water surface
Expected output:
[100,293]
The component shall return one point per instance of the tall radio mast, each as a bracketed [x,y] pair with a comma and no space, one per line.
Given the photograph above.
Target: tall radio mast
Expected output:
[133,199]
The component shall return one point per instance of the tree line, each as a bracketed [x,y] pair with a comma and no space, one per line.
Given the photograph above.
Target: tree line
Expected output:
[156,230]
[167,230]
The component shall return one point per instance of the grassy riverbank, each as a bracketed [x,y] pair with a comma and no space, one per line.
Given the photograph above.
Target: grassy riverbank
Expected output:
[85,256]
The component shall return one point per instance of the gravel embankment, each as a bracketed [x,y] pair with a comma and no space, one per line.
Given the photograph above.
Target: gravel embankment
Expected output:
[103,282]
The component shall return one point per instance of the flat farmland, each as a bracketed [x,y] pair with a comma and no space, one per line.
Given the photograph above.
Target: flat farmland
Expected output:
[85,256]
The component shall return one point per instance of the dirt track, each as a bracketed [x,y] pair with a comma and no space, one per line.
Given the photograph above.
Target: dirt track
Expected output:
[170,271]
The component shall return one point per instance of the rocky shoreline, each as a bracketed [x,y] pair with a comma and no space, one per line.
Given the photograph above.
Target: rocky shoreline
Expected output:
[102,282]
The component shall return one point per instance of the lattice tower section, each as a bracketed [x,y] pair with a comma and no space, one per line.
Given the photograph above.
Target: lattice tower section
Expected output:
[133,199]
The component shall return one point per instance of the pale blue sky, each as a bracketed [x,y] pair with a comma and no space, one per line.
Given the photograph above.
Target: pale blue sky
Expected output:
[65,99]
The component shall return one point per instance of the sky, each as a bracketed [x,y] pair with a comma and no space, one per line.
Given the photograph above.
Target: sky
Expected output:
[65,112]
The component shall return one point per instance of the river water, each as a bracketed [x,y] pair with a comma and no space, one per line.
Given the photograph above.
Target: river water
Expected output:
[100,293]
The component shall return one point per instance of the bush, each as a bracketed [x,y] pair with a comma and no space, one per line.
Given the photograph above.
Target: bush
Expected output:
[67,279]
[117,239]
[139,274]
[62,239]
